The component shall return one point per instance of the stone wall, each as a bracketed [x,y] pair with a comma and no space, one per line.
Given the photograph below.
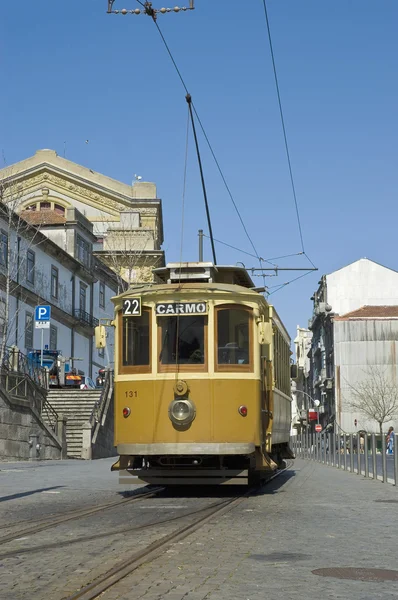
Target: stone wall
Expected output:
[23,435]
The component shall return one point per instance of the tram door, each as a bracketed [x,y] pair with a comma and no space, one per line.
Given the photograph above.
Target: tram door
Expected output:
[266,397]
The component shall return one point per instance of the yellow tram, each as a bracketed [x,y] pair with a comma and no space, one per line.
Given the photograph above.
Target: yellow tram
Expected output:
[202,379]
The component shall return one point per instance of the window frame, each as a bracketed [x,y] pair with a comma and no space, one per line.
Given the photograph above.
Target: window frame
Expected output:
[30,273]
[4,241]
[82,288]
[83,245]
[236,368]
[183,368]
[29,330]
[53,332]
[101,293]
[134,369]
[54,277]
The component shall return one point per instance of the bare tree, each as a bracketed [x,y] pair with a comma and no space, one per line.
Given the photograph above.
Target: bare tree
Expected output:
[375,396]
[127,250]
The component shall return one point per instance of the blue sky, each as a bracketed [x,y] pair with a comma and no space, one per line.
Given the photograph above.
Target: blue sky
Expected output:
[70,72]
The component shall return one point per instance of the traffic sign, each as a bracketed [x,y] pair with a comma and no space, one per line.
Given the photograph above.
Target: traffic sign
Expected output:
[43,312]
[42,324]
[318,428]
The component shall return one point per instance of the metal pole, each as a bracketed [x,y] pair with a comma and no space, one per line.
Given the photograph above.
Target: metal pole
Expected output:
[365,449]
[351,453]
[339,452]
[374,457]
[329,449]
[394,448]
[200,234]
[359,454]
[334,448]
[42,347]
[345,451]
[384,457]
[189,101]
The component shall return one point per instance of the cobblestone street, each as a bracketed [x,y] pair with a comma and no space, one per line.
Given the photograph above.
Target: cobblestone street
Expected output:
[310,517]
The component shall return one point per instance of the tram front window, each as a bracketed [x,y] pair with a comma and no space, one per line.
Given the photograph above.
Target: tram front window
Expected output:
[135,340]
[182,340]
[233,339]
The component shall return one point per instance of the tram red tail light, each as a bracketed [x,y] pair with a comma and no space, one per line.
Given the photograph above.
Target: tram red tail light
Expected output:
[126,412]
[243,411]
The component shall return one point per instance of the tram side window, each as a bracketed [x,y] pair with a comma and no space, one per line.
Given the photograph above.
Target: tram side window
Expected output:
[182,340]
[135,340]
[233,336]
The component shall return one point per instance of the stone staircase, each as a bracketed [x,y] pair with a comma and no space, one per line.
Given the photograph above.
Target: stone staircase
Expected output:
[77,406]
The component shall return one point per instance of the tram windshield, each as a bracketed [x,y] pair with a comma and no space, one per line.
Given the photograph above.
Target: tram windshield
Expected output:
[182,340]
[135,341]
[233,336]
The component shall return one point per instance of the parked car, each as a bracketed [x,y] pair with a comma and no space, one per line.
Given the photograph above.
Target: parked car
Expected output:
[87,383]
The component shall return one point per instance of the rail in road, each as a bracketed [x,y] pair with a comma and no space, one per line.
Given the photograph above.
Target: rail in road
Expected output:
[355,453]
[130,564]
[135,536]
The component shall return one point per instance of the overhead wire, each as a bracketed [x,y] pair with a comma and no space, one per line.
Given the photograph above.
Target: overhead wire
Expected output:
[182,237]
[208,143]
[256,255]
[283,285]
[283,127]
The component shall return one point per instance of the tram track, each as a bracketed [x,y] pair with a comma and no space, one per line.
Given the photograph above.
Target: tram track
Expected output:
[101,584]
[48,522]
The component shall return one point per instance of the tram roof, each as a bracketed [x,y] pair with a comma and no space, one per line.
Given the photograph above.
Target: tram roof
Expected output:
[203,272]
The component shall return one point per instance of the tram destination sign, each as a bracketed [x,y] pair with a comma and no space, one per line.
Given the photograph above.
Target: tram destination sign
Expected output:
[181,308]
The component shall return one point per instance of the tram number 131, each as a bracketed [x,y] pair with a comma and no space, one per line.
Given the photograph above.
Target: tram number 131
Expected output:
[131,307]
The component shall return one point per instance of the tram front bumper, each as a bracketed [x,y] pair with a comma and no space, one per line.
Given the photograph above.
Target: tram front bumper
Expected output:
[178,449]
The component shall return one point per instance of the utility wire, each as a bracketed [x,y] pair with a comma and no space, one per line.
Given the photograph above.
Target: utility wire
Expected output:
[288,283]
[283,127]
[208,143]
[242,251]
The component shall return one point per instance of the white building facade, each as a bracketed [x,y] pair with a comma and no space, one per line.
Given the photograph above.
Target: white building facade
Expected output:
[76,285]
[344,347]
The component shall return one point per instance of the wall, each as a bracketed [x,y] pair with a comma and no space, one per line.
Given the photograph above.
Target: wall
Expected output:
[362,283]
[18,422]
[359,345]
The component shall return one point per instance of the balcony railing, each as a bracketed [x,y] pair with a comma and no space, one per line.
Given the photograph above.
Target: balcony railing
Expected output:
[85,318]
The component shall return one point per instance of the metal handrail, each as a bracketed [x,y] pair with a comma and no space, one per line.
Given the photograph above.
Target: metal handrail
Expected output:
[99,406]
[85,317]
[20,373]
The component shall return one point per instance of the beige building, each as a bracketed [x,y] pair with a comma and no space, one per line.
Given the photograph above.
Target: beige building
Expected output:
[127,231]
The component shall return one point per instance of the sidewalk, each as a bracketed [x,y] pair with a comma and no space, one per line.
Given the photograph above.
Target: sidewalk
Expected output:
[312,517]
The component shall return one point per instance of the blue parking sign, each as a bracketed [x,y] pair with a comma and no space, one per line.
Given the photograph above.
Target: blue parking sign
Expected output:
[43,313]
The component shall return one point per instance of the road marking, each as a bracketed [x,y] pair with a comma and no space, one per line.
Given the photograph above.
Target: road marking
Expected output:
[50,492]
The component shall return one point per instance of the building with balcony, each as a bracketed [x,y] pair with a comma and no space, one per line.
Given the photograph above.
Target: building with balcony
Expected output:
[301,383]
[338,297]
[38,270]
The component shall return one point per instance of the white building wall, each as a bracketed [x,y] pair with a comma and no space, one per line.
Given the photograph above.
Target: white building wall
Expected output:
[358,346]
[82,351]
[361,283]
[40,292]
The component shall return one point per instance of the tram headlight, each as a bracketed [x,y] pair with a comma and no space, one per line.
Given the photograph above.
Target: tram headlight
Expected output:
[182,411]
